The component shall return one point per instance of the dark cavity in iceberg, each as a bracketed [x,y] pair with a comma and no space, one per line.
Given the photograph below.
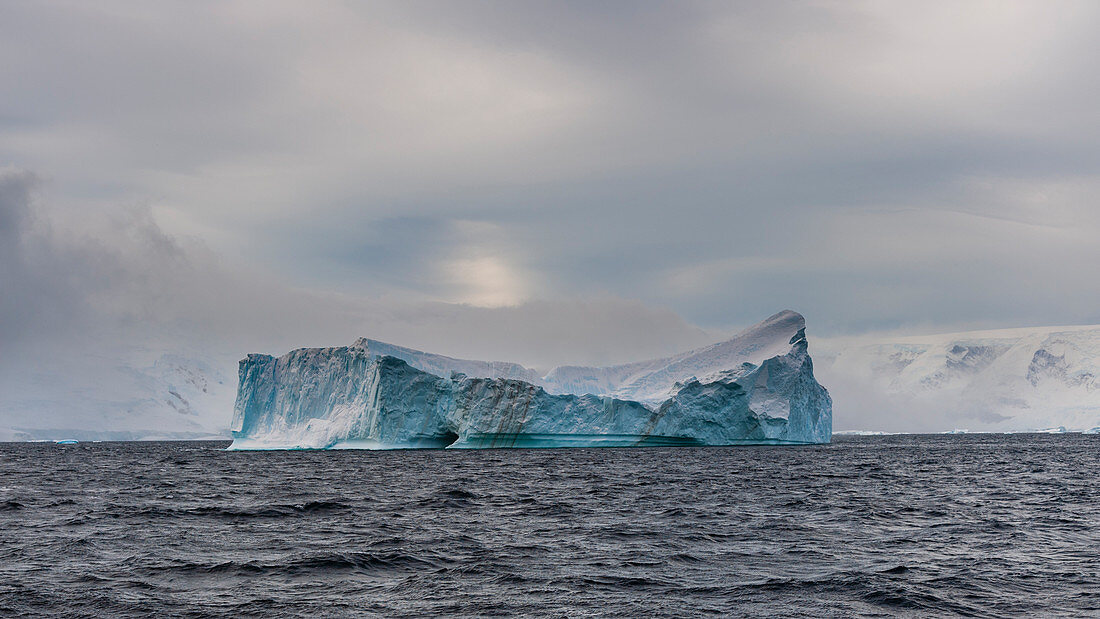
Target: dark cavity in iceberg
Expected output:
[757,388]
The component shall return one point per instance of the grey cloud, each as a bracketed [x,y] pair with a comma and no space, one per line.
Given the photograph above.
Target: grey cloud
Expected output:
[746,153]
[127,276]
[41,293]
[314,172]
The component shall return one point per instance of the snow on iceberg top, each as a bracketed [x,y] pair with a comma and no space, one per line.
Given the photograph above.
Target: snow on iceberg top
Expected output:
[644,381]
[443,366]
[652,380]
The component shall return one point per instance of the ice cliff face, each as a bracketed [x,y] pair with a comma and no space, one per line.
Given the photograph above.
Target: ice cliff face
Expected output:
[756,388]
[1003,380]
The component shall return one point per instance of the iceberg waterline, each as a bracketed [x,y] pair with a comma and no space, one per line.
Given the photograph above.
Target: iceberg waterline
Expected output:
[756,388]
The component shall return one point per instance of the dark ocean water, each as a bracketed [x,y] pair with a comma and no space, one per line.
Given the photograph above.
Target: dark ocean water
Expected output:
[982,525]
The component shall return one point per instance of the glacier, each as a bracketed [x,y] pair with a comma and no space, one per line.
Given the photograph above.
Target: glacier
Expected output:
[117,392]
[1028,379]
[758,387]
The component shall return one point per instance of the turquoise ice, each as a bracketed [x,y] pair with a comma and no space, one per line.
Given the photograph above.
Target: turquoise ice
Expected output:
[755,388]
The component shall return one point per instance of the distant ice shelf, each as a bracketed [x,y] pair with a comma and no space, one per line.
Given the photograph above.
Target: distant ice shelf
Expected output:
[757,388]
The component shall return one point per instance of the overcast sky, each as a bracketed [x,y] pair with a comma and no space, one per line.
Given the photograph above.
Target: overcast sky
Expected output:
[600,179]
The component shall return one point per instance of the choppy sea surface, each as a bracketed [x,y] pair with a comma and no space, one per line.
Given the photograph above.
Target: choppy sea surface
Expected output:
[979,525]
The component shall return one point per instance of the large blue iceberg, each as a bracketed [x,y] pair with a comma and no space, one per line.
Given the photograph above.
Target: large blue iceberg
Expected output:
[755,388]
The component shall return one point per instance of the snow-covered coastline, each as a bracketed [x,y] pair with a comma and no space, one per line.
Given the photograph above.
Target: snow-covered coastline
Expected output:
[1008,380]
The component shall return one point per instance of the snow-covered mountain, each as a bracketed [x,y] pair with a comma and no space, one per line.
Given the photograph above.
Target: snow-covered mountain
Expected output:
[118,394]
[1003,380]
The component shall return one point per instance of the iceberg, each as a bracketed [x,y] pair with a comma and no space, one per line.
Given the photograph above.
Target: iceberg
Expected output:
[755,388]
